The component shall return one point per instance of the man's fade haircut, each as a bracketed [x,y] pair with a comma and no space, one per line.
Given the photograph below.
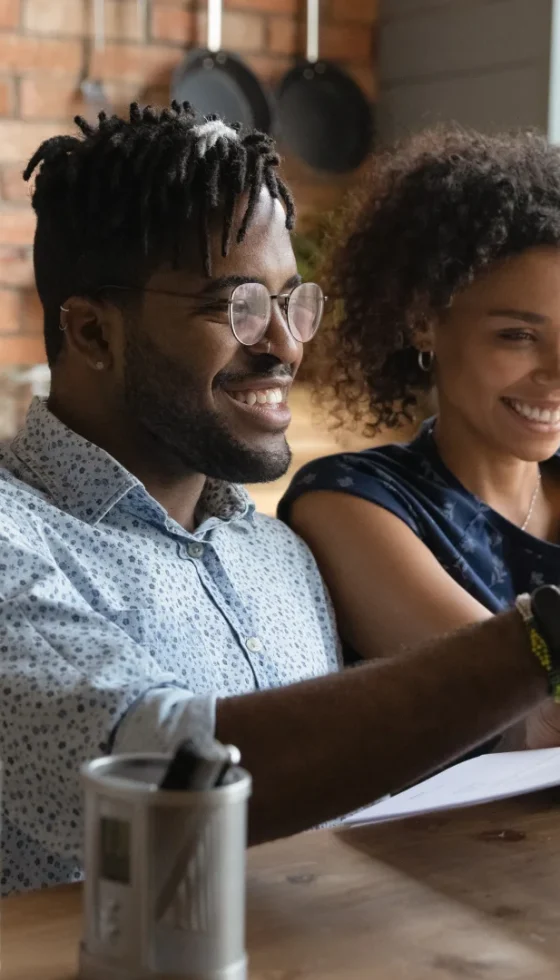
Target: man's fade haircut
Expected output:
[126,195]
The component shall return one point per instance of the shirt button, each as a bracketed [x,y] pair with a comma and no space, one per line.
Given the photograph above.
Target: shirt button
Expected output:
[253,644]
[195,550]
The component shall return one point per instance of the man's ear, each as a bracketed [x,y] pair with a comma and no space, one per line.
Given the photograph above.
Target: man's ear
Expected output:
[89,327]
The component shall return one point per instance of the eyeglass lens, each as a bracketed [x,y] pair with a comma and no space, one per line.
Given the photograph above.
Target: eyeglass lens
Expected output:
[251,310]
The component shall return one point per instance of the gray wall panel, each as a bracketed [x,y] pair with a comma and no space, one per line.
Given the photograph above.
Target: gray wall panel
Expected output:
[462,39]
[512,98]
[484,63]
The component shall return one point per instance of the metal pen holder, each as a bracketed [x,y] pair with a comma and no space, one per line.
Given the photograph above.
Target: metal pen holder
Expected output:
[164,875]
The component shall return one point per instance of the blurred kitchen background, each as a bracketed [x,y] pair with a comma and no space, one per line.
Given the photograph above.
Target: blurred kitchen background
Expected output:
[486,63]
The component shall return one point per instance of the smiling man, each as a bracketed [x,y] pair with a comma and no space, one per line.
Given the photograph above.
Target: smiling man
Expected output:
[142,600]
[135,565]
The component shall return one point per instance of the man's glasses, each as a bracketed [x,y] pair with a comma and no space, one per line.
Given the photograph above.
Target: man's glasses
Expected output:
[250,309]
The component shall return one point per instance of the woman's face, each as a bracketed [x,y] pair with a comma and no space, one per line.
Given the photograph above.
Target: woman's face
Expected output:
[497,356]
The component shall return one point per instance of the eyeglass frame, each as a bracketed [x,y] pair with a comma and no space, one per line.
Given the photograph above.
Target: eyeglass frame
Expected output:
[273,296]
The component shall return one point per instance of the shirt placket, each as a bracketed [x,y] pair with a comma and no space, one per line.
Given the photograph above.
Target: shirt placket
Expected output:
[221,590]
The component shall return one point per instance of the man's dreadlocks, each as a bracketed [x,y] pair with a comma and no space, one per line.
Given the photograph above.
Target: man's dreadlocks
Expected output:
[115,202]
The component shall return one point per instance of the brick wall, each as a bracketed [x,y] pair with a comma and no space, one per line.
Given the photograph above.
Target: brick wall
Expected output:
[41,61]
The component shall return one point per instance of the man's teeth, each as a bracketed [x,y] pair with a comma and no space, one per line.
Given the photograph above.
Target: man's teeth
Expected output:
[269,396]
[536,414]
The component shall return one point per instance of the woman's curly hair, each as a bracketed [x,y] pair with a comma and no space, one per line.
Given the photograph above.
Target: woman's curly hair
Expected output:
[430,216]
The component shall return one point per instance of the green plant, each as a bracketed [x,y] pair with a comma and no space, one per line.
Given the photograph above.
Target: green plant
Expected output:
[309,246]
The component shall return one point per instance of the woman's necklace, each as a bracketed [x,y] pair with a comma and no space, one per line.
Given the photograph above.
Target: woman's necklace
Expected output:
[535,494]
[532,504]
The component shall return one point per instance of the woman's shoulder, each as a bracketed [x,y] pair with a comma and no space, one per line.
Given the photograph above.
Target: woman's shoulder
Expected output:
[406,463]
[389,475]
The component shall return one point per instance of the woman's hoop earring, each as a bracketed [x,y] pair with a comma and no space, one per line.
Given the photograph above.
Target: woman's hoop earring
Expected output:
[61,325]
[425,360]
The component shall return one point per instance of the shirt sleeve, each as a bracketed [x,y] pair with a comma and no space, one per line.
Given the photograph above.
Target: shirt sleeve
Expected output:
[68,679]
[357,475]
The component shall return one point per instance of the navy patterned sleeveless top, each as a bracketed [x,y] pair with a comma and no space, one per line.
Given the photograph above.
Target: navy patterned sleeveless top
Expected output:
[491,558]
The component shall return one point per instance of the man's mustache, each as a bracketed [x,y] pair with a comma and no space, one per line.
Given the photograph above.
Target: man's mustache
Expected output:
[262,367]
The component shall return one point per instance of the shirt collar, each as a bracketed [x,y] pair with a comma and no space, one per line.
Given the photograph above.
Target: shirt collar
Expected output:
[84,480]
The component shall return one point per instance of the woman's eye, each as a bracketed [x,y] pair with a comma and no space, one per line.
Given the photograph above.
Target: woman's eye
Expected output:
[517,334]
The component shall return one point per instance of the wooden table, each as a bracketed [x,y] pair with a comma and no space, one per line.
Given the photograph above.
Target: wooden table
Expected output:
[472,895]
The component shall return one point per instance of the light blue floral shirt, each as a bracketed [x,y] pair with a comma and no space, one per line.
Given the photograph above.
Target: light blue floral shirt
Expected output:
[119,629]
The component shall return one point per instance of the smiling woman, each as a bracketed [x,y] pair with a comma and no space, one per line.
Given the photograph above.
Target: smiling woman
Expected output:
[447,273]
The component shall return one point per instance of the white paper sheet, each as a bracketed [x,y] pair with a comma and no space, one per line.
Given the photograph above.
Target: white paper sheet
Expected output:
[481,780]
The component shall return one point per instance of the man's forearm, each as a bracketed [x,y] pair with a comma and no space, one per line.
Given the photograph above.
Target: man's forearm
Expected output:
[327,746]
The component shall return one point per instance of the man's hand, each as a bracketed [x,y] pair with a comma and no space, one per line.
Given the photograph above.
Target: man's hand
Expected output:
[542,726]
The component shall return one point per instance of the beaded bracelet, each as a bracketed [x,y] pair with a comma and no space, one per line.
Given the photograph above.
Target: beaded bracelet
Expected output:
[539,646]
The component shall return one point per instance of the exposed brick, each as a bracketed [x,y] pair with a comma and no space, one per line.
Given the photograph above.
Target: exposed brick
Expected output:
[240,32]
[17,225]
[7,93]
[289,7]
[124,21]
[31,313]
[10,304]
[48,17]
[120,93]
[285,36]
[12,185]
[366,78]
[19,140]
[22,54]
[173,24]
[346,41]
[156,94]
[71,18]
[9,14]
[268,69]
[22,351]
[182,4]
[364,11]
[140,63]
[16,266]
[43,97]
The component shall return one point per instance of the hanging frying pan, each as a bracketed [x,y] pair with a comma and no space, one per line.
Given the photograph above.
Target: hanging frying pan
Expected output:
[216,81]
[323,115]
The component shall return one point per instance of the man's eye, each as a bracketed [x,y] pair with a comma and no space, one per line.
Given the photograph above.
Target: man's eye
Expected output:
[220,306]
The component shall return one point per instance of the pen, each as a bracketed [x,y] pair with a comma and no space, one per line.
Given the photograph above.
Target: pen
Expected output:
[189,770]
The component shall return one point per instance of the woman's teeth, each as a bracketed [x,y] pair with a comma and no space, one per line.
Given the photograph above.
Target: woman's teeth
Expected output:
[545,415]
[270,396]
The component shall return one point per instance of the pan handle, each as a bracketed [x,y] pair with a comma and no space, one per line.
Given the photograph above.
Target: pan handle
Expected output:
[214,25]
[312,50]
[99,25]
[143,16]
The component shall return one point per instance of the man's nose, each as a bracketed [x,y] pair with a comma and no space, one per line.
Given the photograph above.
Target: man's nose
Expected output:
[279,341]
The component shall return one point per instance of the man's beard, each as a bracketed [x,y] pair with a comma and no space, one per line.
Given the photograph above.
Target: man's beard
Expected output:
[162,398]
